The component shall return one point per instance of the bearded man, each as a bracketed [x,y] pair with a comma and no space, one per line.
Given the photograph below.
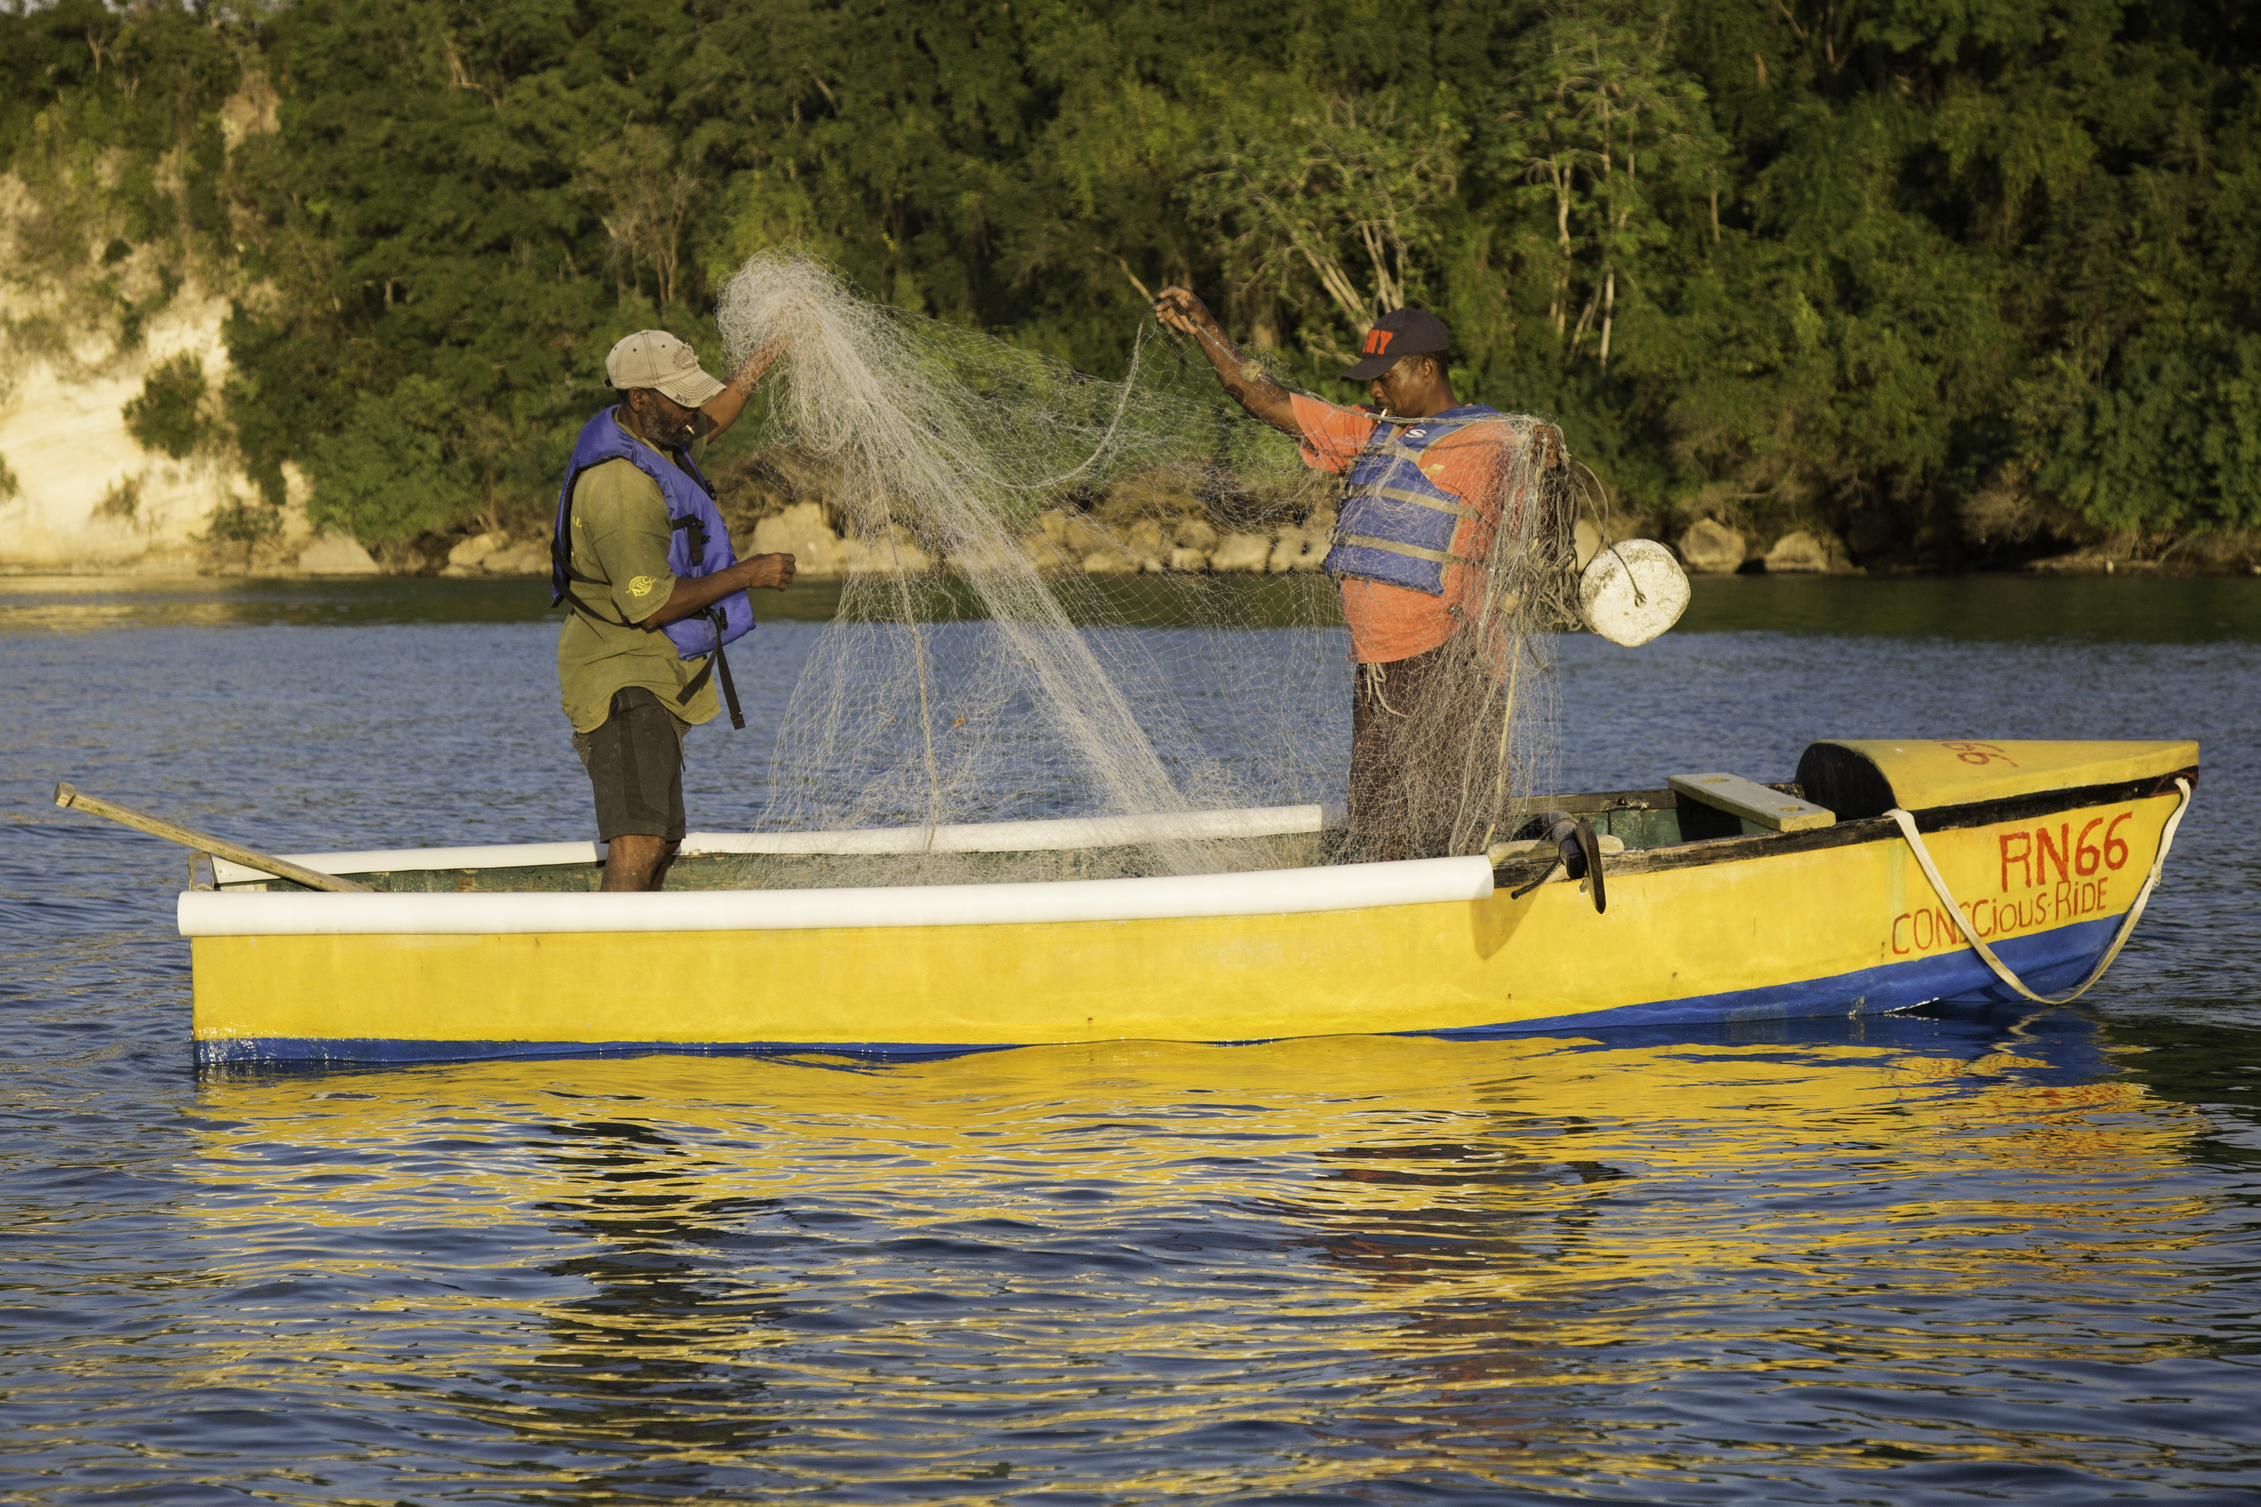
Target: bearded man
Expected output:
[641,555]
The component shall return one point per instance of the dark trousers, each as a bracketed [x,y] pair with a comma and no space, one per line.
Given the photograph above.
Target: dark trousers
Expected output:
[1424,740]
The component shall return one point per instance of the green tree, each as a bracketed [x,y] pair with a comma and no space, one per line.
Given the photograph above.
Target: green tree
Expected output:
[1842,262]
[169,414]
[386,474]
[1337,206]
[1601,125]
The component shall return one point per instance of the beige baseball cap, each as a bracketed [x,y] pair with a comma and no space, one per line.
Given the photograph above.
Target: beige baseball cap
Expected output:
[656,359]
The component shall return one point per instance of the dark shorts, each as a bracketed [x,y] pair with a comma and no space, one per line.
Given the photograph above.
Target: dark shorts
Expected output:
[635,764]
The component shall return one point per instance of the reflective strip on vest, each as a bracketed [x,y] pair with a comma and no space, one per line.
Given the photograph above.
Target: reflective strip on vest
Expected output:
[1411,551]
[1444,504]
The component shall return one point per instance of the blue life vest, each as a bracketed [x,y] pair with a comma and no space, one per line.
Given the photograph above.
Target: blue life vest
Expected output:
[699,546]
[1396,525]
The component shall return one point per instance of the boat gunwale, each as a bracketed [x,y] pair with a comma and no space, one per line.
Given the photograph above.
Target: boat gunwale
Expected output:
[1706,851]
[1521,869]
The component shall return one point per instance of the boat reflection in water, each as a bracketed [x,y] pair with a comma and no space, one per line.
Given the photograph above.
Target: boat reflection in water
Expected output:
[1163,1268]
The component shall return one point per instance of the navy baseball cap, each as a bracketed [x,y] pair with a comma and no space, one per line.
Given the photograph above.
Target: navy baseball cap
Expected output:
[1401,332]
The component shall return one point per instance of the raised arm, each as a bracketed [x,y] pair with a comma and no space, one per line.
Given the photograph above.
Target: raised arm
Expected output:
[723,408]
[1179,310]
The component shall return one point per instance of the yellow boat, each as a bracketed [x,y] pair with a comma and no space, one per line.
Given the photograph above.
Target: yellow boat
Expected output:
[1889,873]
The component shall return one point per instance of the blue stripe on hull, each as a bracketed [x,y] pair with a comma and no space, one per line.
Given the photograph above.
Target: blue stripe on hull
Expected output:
[2052,960]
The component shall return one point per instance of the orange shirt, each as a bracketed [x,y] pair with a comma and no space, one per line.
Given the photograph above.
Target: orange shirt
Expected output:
[1390,623]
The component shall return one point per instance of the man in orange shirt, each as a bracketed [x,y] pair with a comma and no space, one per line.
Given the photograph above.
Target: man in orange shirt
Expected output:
[1425,478]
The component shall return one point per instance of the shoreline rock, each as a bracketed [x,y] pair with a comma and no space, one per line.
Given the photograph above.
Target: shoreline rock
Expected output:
[1140,526]
[337,555]
[1801,552]
[1713,549]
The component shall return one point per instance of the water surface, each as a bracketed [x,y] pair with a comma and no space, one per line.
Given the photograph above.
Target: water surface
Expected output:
[1952,1256]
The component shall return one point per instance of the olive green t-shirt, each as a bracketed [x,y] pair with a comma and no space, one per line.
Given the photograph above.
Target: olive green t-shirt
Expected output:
[620,537]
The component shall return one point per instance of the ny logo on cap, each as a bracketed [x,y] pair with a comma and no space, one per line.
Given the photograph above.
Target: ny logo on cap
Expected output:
[1377,342]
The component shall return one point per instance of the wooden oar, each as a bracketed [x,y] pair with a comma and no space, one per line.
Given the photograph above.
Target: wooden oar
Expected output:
[218,847]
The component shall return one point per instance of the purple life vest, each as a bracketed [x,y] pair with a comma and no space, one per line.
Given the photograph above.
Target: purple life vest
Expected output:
[698,546]
[1396,525]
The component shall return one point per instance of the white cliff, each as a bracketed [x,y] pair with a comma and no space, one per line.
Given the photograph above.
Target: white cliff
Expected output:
[87,497]
[78,493]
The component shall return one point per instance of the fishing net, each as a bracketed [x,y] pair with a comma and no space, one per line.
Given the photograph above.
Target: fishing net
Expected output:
[1048,608]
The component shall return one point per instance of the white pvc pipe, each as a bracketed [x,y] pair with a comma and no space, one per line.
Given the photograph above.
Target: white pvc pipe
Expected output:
[1029,837]
[985,837]
[1356,886]
[524,855]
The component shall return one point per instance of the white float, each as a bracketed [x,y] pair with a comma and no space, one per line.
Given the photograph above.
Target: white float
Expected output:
[1633,591]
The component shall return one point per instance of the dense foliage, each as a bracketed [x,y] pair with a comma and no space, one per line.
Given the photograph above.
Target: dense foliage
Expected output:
[1926,273]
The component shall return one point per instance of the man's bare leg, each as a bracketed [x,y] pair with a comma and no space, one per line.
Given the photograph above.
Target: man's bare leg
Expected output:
[636,862]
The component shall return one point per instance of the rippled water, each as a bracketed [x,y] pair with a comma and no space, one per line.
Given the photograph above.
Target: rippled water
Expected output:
[1951,1256]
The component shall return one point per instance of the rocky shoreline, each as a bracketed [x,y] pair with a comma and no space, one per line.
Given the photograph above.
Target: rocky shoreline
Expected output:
[1065,542]
[1166,521]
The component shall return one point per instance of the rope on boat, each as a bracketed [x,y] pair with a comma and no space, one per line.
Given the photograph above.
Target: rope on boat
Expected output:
[1907,825]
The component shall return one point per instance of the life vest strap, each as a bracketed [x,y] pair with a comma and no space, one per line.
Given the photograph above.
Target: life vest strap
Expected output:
[729,690]
[1440,504]
[716,661]
[561,557]
[1391,546]
[691,524]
